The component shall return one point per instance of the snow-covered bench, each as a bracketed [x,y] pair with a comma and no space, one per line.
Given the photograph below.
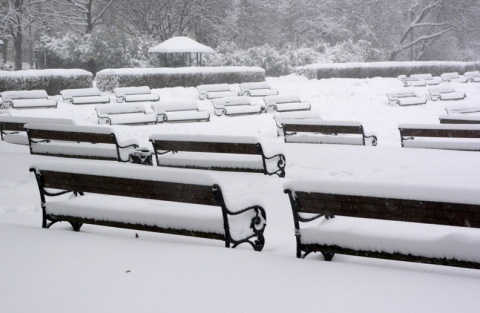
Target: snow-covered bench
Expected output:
[79,141]
[172,201]
[446,92]
[463,108]
[325,132]
[405,97]
[12,128]
[220,153]
[453,77]
[459,119]
[231,106]
[125,114]
[84,96]
[26,99]
[284,103]
[179,110]
[135,94]
[472,77]
[440,136]
[412,81]
[258,89]
[428,78]
[280,116]
[214,91]
[402,222]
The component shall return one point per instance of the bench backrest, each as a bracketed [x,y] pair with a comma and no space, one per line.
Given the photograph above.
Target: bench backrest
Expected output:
[123,91]
[213,87]
[74,133]
[381,207]
[172,105]
[256,85]
[325,127]
[440,130]
[24,94]
[472,74]
[441,89]
[422,76]
[401,94]
[106,109]
[129,181]
[272,100]
[231,101]
[447,76]
[81,92]
[449,119]
[17,123]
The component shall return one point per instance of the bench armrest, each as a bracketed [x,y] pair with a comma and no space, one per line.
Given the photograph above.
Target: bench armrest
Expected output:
[257,224]
[281,165]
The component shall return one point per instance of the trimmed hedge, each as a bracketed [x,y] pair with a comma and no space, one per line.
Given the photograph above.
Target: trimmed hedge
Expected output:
[383,69]
[52,80]
[109,79]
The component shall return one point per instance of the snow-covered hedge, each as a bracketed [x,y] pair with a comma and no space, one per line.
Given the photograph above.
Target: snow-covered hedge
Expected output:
[383,69]
[52,81]
[109,79]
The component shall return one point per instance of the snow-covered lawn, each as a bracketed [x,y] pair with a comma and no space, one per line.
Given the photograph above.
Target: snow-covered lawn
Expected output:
[103,269]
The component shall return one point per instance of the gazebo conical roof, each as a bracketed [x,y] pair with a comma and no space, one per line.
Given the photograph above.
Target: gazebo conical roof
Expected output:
[179,45]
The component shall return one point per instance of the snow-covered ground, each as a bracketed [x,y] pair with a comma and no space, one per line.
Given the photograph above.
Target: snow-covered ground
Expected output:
[101,269]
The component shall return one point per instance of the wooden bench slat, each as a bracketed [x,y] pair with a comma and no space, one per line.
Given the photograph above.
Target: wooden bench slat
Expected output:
[216,147]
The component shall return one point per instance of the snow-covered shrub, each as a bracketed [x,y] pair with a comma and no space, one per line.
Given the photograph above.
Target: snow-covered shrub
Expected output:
[52,81]
[109,79]
[384,69]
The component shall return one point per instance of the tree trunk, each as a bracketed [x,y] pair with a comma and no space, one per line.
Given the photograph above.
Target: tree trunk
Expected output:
[17,44]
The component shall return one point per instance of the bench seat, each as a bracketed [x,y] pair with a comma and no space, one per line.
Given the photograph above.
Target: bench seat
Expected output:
[84,96]
[179,110]
[135,94]
[405,97]
[26,99]
[232,106]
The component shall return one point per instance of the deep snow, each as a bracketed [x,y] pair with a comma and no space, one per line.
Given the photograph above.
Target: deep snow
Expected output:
[101,269]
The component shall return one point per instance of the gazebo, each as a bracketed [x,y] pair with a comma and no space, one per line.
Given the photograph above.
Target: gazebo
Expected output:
[178,51]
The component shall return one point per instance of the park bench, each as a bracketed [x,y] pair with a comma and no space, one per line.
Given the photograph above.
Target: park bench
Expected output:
[135,94]
[79,141]
[412,81]
[462,108]
[440,136]
[218,153]
[405,97]
[453,77]
[472,77]
[280,116]
[428,78]
[232,106]
[163,200]
[214,91]
[445,92]
[179,110]
[84,96]
[284,103]
[402,222]
[12,128]
[325,132]
[125,114]
[258,89]
[26,99]
[459,119]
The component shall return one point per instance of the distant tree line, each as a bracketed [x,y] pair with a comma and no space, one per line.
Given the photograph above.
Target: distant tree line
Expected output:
[277,34]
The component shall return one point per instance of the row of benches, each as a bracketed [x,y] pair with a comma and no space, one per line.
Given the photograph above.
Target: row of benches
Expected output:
[216,91]
[421,80]
[410,97]
[384,220]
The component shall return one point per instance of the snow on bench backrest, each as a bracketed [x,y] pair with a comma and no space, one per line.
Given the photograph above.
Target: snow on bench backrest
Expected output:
[256,85]
[441,89]
[36,120]
[96,129]
[229,101]
[106,109]
[310,121]
[405,93]
[171,105]
[452,75]
[213,88]
[81,92]
[24,94]
[472,74]
[422,76]
[440,126]
[206,138]
[272,100]
[123,91]
[463,108]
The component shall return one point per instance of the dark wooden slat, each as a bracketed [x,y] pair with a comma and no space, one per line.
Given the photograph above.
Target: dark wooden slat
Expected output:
[448,133]
[71,136]
[214,147]
[324,129]
[458,121]
[186,193]
[11,126]
[430,212]
[217,168]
